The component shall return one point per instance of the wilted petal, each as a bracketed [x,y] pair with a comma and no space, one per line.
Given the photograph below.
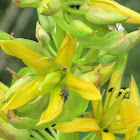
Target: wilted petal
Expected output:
[107,136]
[67,51]
[25,94]
[85,89]
[78,124]
[52,111]
[26,54]
[134,94]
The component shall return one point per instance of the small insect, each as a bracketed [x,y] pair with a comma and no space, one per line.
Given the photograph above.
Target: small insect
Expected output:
[75,6]
[105,130]
[126,96]
[64,91]
[111,89]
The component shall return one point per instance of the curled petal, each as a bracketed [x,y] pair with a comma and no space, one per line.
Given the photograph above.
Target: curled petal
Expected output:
[52,111]
[78,124]
[26,54]
[84,88]
[67,51]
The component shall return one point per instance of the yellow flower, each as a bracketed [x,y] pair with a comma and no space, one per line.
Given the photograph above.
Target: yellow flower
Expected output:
[110,5]
[52,75]
[119,115]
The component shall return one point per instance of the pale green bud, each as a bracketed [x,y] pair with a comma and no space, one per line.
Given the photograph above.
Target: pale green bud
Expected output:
[81,26]
[28,3]
[49,7]
[98,15]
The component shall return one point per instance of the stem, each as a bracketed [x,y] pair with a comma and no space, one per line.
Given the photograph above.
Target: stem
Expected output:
[89,136]
[74,11]
[54,38]
[51,49]
[46,135]
[36,135]
[80,49]
[67,18]
[58,136]
[74,3]
[52,131]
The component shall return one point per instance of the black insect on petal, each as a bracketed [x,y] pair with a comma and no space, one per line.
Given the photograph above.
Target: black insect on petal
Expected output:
[123,88]
[64,69]
[105,130]
[110,90]
[53,125]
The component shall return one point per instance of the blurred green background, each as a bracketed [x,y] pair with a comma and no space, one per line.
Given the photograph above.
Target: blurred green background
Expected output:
[22,23]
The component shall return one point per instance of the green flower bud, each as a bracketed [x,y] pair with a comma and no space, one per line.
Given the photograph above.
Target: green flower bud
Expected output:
[18,84]
[47,23]
[98,15]
[126,43]
[8,132]
[49,7]
[99,76]
[28,3]
[81,26]
[91,56]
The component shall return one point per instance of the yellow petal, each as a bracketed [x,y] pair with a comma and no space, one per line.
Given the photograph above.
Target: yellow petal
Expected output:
[26,54]
[116,7]
[85,89]
[66,51]
[129,112]
[115,83]
[25,94]
[52,111]
[134,94]
[107,136]
[78,124]
[3,86]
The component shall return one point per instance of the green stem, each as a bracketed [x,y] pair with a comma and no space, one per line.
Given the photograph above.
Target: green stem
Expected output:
[36,135]
[58,136]
[74,3]
[52,131]
[78,54]
[46,135]
[89,136]
[54,38]
[67,18]
[74,11]
[32,138]
[51,49]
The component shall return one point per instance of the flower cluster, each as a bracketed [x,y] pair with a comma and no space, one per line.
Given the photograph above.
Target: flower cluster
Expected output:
[81,45]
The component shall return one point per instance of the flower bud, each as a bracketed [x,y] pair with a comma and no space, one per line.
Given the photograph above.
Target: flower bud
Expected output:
[27,3]
[126,43]
[112,6]
[81,26]
[49,7]
[47,23]
[18,84]
[91,55]
[8,132]
[99,76]
[97,15]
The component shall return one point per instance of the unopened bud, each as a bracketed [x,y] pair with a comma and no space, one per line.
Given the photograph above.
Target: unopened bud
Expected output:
[49,7]
[27,3]
[81,26]
[98,15]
